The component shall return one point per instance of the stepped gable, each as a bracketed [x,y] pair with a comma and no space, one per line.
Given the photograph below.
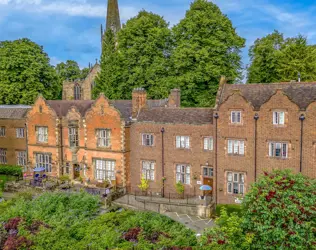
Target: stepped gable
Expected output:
[301,94]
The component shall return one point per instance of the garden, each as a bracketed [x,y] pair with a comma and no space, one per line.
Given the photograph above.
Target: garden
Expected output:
[278,212]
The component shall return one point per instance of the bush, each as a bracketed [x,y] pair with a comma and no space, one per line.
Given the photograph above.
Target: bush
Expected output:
[230,208]
[280,209]
[11,170]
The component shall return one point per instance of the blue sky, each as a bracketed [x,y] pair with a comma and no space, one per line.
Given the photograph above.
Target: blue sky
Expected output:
[70,29]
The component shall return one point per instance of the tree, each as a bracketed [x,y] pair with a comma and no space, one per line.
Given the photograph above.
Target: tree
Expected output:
[206,47]
[140,60]
[265,58]
[280,210]
[275,59]
[68,71]
[25,72]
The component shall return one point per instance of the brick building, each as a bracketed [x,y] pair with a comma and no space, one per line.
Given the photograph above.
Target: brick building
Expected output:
[13,137]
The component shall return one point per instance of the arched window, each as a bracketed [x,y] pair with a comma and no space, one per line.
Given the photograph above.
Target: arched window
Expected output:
[77,92]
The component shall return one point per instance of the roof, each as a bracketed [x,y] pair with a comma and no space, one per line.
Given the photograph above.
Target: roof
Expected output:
[61,107]
[124,106]
[257,94]
[197,116]
[13,111]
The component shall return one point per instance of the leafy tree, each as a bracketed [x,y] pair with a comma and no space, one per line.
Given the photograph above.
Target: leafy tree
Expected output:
[280,210]
[25,72]
[206,47]
[69,70]
[84,73]
[274,58]
[141,58]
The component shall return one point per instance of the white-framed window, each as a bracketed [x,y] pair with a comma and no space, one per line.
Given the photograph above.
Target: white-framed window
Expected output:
[183,174]
[208,143]
[21,158]
[208,172]
[236,147]
[235,116]
[148,170]
[44,161]
[104,169]
[104,137]
[42,134]
[235,183]
[147,139]
[73,137]
[182,142]
[20,133]
[278,117]
[2,131]
[3,156]
[278,149]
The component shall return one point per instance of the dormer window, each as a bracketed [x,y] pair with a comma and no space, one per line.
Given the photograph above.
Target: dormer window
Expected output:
[77,92]
[235,117]
[278,118]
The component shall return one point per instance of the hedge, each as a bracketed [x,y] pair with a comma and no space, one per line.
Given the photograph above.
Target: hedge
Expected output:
[10,170]
[231,208]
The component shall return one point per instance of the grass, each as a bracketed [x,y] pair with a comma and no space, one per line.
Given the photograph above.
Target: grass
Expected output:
[4,179]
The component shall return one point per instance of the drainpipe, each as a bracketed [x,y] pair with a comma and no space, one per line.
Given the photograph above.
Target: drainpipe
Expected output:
[216,116]
[163,161]
[61,149]
[256,117]
[27,150]
[302,118]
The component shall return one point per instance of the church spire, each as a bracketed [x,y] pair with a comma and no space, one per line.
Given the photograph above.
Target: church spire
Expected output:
[113,16]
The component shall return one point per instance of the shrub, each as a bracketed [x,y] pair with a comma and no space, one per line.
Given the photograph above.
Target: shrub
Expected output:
[11,170]
[281,211]
[179,188]
[230,208]
[144,184]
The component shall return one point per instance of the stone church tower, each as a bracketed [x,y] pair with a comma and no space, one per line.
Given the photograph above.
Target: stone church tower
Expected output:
[81,89]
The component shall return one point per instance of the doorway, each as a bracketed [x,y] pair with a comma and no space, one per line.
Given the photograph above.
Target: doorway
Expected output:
[209,182]
[76,171]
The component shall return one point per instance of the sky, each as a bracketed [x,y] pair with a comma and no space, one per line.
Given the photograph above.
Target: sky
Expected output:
[70,29]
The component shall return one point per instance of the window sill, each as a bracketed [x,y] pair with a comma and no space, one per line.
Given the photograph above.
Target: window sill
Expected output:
[183,148]
[149,146]
[236,155]
[208,150]
[278,158]
[100,147]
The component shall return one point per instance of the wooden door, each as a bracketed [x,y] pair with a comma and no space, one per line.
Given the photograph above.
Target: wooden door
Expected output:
[209,182]
[76,171]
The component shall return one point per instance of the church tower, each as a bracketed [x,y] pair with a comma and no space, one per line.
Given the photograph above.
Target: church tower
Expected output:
[113,21]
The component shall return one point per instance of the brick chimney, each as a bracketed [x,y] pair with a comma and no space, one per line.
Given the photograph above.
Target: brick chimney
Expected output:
[174,100]
[139,101]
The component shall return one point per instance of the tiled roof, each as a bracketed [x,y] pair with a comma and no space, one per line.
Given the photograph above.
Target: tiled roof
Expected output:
[13,111]
[62,107]
[197,116]
[124,106]
[257,94]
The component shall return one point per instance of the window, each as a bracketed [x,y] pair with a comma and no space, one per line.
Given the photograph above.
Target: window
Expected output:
[77,92]
[104,170]
[104,137]
[235,117]
[148,139]
[236,147]
[278,118]
[21,158]
[278,150]
[3,156]
[2,131]
[208,143]
[208,172]
[183,142]
[183,174]
[148,170]
[20,133]
[42,134]
[73,137]
[235,183]
[44,161]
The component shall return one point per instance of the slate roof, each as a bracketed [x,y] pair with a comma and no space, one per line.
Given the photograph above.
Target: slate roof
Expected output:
[197,116]
[13,111]
[257,94]
[62,107]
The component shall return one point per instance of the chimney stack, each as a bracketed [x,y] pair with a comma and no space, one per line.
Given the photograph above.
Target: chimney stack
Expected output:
[174,100]
[139,101]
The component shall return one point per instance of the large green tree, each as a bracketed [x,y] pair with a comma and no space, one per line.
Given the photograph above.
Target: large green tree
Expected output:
[25,72]
[206,47]
[274,58]
[70,70]
[139,59]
